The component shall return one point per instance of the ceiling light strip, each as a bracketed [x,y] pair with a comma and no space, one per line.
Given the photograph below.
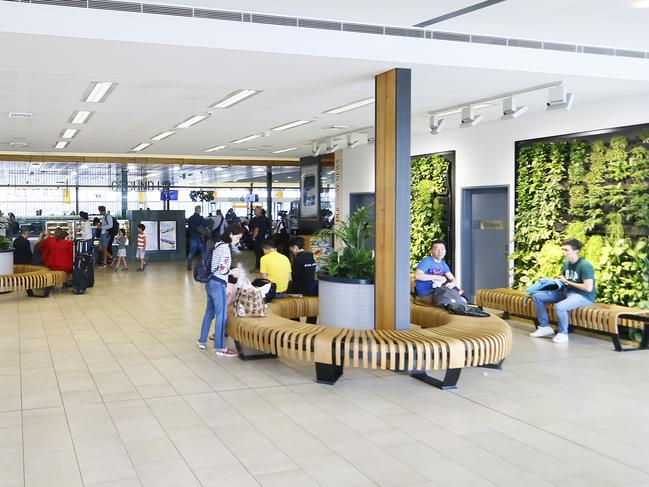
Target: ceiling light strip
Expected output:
[191,121]
[140,147]
[99,91]
[351,106]
[291,125]
[80,116]
[69,133]
[246,139]
[214,149]
[163,135]
[234,98]
[285,150]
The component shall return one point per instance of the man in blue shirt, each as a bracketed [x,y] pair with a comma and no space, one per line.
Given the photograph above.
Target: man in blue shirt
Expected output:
[433,272]
[196,244]
[578,278]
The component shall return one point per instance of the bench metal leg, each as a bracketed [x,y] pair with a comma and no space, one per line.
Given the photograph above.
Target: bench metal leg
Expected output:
[505,315]
[312,320]
[327,373]
[644,344]
[46,293]
[497,366]
[246,353]
[449,382]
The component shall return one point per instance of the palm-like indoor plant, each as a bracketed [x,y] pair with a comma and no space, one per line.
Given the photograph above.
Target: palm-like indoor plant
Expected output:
[347,275]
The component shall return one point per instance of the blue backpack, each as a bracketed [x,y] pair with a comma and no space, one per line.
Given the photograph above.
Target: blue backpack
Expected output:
[203,269]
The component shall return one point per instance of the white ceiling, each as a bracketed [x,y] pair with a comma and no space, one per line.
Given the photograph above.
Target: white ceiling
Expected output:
[612,23]
[160,86]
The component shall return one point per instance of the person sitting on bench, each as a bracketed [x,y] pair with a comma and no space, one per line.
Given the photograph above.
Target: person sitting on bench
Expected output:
[433,272]
[275,267]
[578,279]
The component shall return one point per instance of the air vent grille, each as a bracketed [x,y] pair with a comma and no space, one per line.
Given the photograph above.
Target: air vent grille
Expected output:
[333,25]
[118,6]
[363,28]
[319,24]
[218,15]
[396,31]
[495,41]
[274,20]
[451,36]
[63,3]
[149,8]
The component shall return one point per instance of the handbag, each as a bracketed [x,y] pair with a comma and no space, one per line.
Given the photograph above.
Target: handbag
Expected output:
[249,301]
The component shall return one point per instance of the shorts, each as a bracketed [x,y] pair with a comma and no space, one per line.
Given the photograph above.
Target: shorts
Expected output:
[103,239]
[121,253]
[139,254]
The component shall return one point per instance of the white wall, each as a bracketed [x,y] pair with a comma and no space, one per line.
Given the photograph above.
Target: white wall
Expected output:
[485,153]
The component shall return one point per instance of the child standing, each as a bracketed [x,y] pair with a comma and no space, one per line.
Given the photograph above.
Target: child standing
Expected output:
[121,250]
[141,247]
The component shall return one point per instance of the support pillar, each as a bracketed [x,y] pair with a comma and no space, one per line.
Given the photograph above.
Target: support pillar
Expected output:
[269,192]
[124,192]
[392,247]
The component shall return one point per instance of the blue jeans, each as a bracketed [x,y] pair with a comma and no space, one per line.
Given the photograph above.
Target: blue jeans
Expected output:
[195,245]
[217,309]
[565,300]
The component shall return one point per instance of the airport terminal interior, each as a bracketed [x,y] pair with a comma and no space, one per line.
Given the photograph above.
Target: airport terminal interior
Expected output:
[457,191]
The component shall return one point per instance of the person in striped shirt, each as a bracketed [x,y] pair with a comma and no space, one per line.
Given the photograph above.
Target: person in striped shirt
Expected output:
[141,247]
[217,305]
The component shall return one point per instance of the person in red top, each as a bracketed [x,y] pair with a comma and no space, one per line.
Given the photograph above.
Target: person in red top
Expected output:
[57,252]
[141,247]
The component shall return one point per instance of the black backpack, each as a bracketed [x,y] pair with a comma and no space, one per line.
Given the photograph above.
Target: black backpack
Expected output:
[467,310]
[444,296]
[112,231]
[203,268]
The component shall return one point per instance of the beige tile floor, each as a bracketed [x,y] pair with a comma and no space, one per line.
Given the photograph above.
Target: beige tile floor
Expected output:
[109,390]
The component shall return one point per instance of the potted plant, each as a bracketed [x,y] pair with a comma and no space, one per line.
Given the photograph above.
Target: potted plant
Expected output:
[6,256]
[346,276]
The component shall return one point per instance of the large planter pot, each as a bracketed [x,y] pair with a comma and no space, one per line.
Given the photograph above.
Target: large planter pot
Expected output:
[6,261]
[346,303]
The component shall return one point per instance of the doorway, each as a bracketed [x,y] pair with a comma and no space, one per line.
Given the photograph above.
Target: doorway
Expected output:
[485,239]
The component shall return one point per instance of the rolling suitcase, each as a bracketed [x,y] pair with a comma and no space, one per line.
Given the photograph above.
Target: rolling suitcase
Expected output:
[82,274]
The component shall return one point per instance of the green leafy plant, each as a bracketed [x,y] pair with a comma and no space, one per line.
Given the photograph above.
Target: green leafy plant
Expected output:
[201,195]
[5,243]
[356,259]
[428,185]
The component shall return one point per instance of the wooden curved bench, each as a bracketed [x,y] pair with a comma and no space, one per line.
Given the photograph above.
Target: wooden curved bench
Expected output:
[600,318]
[444,341]
[30,277]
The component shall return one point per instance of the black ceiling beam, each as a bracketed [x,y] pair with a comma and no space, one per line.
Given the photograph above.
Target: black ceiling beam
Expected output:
[458,13]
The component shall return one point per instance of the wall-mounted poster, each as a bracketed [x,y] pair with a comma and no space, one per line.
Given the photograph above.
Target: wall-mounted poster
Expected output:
[151,232]
[309,191]
[167,235]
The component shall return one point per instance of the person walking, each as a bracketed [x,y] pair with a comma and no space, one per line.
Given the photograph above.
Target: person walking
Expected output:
[140,253]
[121,250]
[215,288]
[196,243]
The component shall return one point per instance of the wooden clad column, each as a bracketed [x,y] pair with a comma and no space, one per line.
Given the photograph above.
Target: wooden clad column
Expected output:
[392,281]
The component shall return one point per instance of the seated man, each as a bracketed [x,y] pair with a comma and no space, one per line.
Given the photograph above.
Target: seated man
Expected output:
[302,269]
[275,267]
[433,272]
[23,251]
[578,278]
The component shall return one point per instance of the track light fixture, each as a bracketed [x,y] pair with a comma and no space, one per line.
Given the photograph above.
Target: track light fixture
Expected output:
[315,149]
[511,109]
[436,124]
[352,142]
[469,119]
[558,99]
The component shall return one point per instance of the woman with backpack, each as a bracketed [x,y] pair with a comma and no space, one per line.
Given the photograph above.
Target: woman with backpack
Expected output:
[217,307]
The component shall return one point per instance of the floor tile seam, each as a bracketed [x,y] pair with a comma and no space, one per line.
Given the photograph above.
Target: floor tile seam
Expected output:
[22,411]
[555,435]
[65,414]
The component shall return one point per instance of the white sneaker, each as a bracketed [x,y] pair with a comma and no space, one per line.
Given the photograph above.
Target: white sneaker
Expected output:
[542,331]
[560,338]
[200,345]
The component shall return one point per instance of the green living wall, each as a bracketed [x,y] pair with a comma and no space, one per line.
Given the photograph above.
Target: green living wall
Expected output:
[430,204]
[593,189]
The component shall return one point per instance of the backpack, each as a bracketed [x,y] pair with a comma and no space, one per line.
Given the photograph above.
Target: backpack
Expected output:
[203,268]
[112,231]
[443,296]
[467,310]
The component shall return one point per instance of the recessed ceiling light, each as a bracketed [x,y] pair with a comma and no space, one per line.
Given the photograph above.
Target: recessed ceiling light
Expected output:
[246,139]
[140,147]
[98,92]
[214,149]
[61,144]
[162,135]
[351,106]
[16,144]
[291,125]
[477,106]
[20,115]
[80,116]
[276,180]
[253,149]
[284,150]
[234,98]
[640,3]
[289,177]
[338,127]
[191,121]
[69,133]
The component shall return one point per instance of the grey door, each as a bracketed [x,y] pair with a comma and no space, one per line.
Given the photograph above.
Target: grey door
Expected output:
[485,218]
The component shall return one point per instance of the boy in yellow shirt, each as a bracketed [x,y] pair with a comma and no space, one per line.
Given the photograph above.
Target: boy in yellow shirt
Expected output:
[275,267]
